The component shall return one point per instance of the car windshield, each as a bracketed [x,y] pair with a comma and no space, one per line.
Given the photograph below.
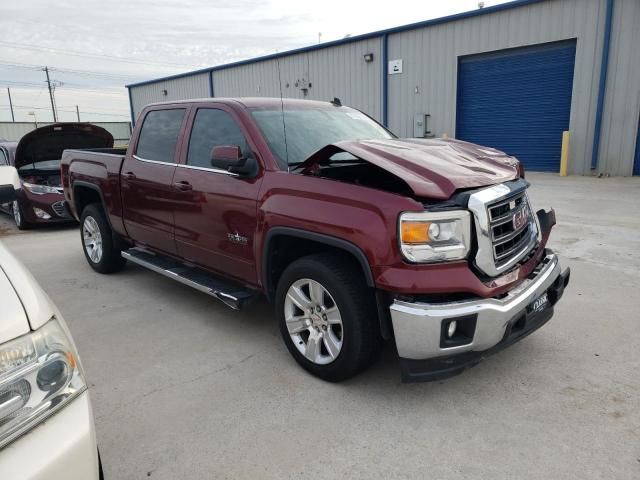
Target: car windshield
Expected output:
[308,130]
[42,165]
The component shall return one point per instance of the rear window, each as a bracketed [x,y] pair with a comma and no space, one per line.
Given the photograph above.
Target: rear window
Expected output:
[159,135]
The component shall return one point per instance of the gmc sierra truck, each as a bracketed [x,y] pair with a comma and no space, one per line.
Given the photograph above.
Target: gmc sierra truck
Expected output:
[356,236]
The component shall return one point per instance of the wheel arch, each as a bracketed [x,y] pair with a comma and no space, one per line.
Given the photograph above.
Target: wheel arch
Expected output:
[275,235]
[85,193]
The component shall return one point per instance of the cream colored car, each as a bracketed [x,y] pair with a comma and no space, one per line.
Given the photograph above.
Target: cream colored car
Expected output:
[46,422]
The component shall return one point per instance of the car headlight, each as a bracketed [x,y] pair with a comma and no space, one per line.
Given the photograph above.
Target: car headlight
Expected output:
[435,236]
[40,189]
[39,374]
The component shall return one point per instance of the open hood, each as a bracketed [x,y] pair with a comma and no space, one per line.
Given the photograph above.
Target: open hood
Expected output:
[432,168]
[47,143]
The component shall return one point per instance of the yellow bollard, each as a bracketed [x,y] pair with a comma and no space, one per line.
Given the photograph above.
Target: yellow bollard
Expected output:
[564,156]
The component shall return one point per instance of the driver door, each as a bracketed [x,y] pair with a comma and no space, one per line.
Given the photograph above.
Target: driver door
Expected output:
[216,211]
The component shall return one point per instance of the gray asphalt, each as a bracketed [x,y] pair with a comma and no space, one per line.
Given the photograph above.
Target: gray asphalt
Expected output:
[183,387]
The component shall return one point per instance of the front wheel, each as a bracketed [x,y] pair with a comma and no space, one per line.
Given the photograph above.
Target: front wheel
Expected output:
[327,316]
[18,217]
[97,241]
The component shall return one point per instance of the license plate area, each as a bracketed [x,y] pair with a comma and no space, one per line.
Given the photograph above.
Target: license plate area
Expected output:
[539,304]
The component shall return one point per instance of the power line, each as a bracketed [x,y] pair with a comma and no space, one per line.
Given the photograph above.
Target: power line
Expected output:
[8,63]
[75,53]
[91,73]
[66,87]
[18,83]
[22,107]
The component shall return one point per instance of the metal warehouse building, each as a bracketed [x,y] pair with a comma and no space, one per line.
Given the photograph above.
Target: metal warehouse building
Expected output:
[512,76]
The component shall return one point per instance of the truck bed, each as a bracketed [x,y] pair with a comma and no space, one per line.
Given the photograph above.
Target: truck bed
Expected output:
[97,170]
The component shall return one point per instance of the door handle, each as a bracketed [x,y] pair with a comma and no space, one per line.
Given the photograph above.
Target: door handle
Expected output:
[129,176]
[182,186]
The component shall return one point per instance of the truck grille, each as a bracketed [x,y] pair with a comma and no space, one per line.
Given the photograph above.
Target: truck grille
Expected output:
[505,226]
[60,209]
[511,227]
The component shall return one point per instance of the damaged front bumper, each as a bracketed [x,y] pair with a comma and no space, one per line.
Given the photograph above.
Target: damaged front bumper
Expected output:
[427,349]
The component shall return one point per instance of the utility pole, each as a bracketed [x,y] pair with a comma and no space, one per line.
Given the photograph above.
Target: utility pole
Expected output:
[78,113]
[53,108]
[13,118]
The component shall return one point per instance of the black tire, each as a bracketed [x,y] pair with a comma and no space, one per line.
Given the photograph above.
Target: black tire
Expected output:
[100,472]
[18,216]
[360,331]
[109,260]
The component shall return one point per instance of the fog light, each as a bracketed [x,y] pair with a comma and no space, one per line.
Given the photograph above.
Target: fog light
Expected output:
[41,214]
[451,329]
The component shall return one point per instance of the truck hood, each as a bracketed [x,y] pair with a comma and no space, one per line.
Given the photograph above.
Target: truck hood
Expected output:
[432,168]
[23,304]
[47,143]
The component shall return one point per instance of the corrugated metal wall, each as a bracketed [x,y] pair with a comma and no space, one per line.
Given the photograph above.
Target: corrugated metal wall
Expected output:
[192,86]
[622,103]
[339,71]
[14,131]
[429,79]
[430,60]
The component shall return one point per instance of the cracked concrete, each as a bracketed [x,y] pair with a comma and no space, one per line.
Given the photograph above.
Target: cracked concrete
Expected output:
[183,387]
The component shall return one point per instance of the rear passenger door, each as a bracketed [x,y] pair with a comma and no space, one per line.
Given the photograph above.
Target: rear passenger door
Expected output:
[215,221]
[146,177]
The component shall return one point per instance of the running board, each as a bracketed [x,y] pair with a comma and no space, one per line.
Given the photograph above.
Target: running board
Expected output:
[232,295]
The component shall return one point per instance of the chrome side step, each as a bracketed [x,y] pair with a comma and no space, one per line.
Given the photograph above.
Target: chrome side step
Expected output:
[232,295]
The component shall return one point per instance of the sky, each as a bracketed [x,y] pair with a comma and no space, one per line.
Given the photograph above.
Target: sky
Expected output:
[94,47]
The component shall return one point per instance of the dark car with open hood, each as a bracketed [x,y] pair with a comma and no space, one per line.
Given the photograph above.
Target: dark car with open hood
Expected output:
[356,236]
[37,158]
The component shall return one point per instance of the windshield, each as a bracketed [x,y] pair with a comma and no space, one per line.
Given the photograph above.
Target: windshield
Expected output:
[308,130]
[41,165]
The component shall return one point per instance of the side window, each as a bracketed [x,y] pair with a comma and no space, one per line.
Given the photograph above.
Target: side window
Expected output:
[213,128]
[159,135]
[3,158]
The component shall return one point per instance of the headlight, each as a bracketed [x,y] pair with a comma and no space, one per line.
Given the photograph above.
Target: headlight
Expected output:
[39,373]
[435,236]
[40,189]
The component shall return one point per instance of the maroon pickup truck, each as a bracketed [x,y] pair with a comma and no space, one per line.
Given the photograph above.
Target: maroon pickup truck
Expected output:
[355,235]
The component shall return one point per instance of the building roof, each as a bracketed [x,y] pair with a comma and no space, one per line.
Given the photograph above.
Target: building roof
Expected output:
[357,38]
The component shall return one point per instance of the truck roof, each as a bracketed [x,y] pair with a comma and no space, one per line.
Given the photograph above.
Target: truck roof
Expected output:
[254,102]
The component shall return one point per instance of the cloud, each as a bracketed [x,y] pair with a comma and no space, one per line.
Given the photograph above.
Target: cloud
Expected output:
[192,33]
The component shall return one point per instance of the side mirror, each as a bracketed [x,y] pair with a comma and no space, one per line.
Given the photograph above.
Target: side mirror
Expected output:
[230,159]
[9,184]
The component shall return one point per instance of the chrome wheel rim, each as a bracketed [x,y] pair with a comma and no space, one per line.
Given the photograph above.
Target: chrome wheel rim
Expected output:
[313,321]
[92,239]
[16,212]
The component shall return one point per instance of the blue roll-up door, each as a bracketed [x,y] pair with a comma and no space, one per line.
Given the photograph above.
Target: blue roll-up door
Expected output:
[518,101]
[636,163]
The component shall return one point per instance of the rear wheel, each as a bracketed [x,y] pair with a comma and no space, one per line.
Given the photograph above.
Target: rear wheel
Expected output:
[327,316]
[18,216]
[98,244]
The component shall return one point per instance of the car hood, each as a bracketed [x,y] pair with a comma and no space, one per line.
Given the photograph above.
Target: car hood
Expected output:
[23,304]
[48,143]
[432,168]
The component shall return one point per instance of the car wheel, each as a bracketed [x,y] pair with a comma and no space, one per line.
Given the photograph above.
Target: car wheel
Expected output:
[18,216]
[327,316]
[98,244]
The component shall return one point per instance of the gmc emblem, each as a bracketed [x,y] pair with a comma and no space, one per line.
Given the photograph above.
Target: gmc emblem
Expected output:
[520,218]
